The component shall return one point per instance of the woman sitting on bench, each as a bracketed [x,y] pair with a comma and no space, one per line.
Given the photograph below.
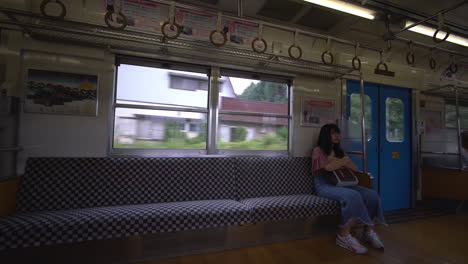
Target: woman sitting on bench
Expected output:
[357,203]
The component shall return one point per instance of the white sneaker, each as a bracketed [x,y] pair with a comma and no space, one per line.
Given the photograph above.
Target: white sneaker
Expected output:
[373,239]
[350,243]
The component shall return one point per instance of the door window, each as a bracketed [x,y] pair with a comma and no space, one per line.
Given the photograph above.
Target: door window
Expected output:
[355,112]
[394,120]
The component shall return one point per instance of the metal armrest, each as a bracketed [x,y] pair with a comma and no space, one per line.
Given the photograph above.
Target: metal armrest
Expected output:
[365,179]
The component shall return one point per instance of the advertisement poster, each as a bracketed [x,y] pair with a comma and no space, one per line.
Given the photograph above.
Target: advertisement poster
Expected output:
[242,33]
[52,92]
[317,112]
[144,14]
[196,24]
[141,14]
[200,25]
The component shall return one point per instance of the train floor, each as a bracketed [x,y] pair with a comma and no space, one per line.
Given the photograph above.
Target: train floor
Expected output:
[435,240]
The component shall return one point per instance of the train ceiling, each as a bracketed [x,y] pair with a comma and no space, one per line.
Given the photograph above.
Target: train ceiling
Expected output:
[308,16]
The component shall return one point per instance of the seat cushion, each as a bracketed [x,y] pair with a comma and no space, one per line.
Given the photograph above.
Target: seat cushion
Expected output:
[273,176]
[61,183]
[57,227]
[290,206]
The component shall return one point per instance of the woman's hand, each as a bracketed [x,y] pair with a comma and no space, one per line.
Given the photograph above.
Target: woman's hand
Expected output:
[336,163]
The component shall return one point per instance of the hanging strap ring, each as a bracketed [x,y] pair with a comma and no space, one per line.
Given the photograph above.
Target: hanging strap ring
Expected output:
[453,67]
[330,55]
[356,63]
[63,11]
[290,51]
[410,54]
[222,34]
[220,31]
[442,28]
[108,17]
[164,32]
[255,47]
[381,64]
[410,57]
[432,63]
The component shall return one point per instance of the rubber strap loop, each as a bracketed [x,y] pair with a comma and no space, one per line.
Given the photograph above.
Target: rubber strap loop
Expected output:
[327,52]
[63,11]
[453,68]
[171,22]
[259,38]
[294,45]
[108,17]
[330,55]
[432,61]
[381,63]
[218,30]
[441,27]
[290,51]
[254,48]
[356,59]
[410,54]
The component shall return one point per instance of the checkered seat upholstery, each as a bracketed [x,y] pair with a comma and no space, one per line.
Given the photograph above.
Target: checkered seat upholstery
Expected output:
[285,207]
[277,188]
[76,225]
[71,183]
[65,200]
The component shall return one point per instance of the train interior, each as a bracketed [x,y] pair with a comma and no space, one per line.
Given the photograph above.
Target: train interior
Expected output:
[159,131]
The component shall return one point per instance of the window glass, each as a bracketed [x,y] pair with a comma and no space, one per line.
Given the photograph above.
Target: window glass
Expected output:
[451,116]
[252,132]
[355,112]
[253,114]
[394,119]
[142,128]
[163,106]
[156,86]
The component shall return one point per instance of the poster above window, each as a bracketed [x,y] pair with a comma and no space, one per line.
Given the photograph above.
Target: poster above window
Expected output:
[317,112]
[53,92]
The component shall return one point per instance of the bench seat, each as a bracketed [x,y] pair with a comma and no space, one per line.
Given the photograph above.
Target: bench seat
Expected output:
[285,207]
[70,200]
[77,225]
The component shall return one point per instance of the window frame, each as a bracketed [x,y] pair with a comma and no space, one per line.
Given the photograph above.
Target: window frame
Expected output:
[212,111]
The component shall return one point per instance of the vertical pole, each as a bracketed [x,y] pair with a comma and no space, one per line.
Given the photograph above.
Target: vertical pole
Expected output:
[457,105]
[213,111]
[240,8]
[363,127]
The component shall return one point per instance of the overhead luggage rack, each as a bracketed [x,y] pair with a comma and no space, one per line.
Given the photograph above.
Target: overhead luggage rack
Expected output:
[132,40]
[448,93]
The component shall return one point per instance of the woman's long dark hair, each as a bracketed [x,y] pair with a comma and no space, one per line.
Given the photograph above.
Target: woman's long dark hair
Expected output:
[325,143]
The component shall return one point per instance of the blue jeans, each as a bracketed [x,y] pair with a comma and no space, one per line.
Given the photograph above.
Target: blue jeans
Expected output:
[356,202]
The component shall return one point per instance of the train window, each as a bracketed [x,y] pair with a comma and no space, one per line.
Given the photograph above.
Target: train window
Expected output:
[394,120]
[159,108]
[451,116]
[355,112]
[253,113]
[163,108]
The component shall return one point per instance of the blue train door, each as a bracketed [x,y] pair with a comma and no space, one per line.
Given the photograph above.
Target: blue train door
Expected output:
[388,119]
[352,133]
[395,147]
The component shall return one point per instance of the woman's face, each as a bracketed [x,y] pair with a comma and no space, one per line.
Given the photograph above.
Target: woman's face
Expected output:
[335,137]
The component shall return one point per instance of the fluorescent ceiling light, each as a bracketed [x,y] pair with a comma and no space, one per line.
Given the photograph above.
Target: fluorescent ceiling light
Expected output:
[428,31]
[345,7]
